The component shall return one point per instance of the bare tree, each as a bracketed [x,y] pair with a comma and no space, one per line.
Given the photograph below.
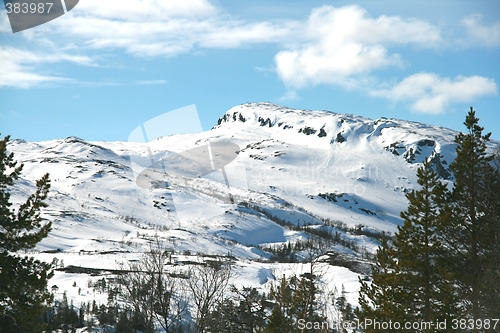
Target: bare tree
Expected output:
[154,293]
[207,284]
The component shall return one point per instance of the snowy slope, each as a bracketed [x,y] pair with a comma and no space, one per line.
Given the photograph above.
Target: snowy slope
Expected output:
[293,168]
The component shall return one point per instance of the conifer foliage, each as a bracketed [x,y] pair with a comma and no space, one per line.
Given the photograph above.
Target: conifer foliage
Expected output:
[23,280]
[380,300]
[473,229]
[409,281]
[443,263]
[420,252]
[295,302]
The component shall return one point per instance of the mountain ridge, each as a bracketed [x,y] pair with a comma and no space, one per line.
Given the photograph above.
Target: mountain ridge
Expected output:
[286,186]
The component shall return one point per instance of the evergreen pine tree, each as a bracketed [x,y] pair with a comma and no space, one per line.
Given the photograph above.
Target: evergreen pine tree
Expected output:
[343,306]
[420,253]
[445,260]
[473,229]
[81,315]
[278,323]
[304,303]
[23,280]
[281,316]
[124,325]
[295,302]
[492,274]
[382,300]
[250,313]
[409,279]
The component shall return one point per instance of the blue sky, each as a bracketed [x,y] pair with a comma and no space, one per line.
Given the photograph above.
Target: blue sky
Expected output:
[107,66]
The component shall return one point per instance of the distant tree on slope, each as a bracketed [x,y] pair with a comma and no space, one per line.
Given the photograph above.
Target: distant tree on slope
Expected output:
[23,280]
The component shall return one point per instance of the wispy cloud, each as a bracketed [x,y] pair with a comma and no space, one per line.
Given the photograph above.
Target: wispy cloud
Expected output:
[18,71]
[152,10]
[431,94]
[478,34]
[164,28]
[155,28]
[341,46]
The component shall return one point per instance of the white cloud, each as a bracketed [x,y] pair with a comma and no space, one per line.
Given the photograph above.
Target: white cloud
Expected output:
[344,42]
[164,27]
[144,28]
[4,23]
[17,67]
[479,34]
[339,46]
[140,10]
[431,94]
[236,34]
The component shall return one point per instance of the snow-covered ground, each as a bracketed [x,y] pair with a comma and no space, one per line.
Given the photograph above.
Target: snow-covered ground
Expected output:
[292,168]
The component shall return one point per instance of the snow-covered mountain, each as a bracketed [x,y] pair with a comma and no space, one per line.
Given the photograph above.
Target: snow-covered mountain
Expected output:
[287,176]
